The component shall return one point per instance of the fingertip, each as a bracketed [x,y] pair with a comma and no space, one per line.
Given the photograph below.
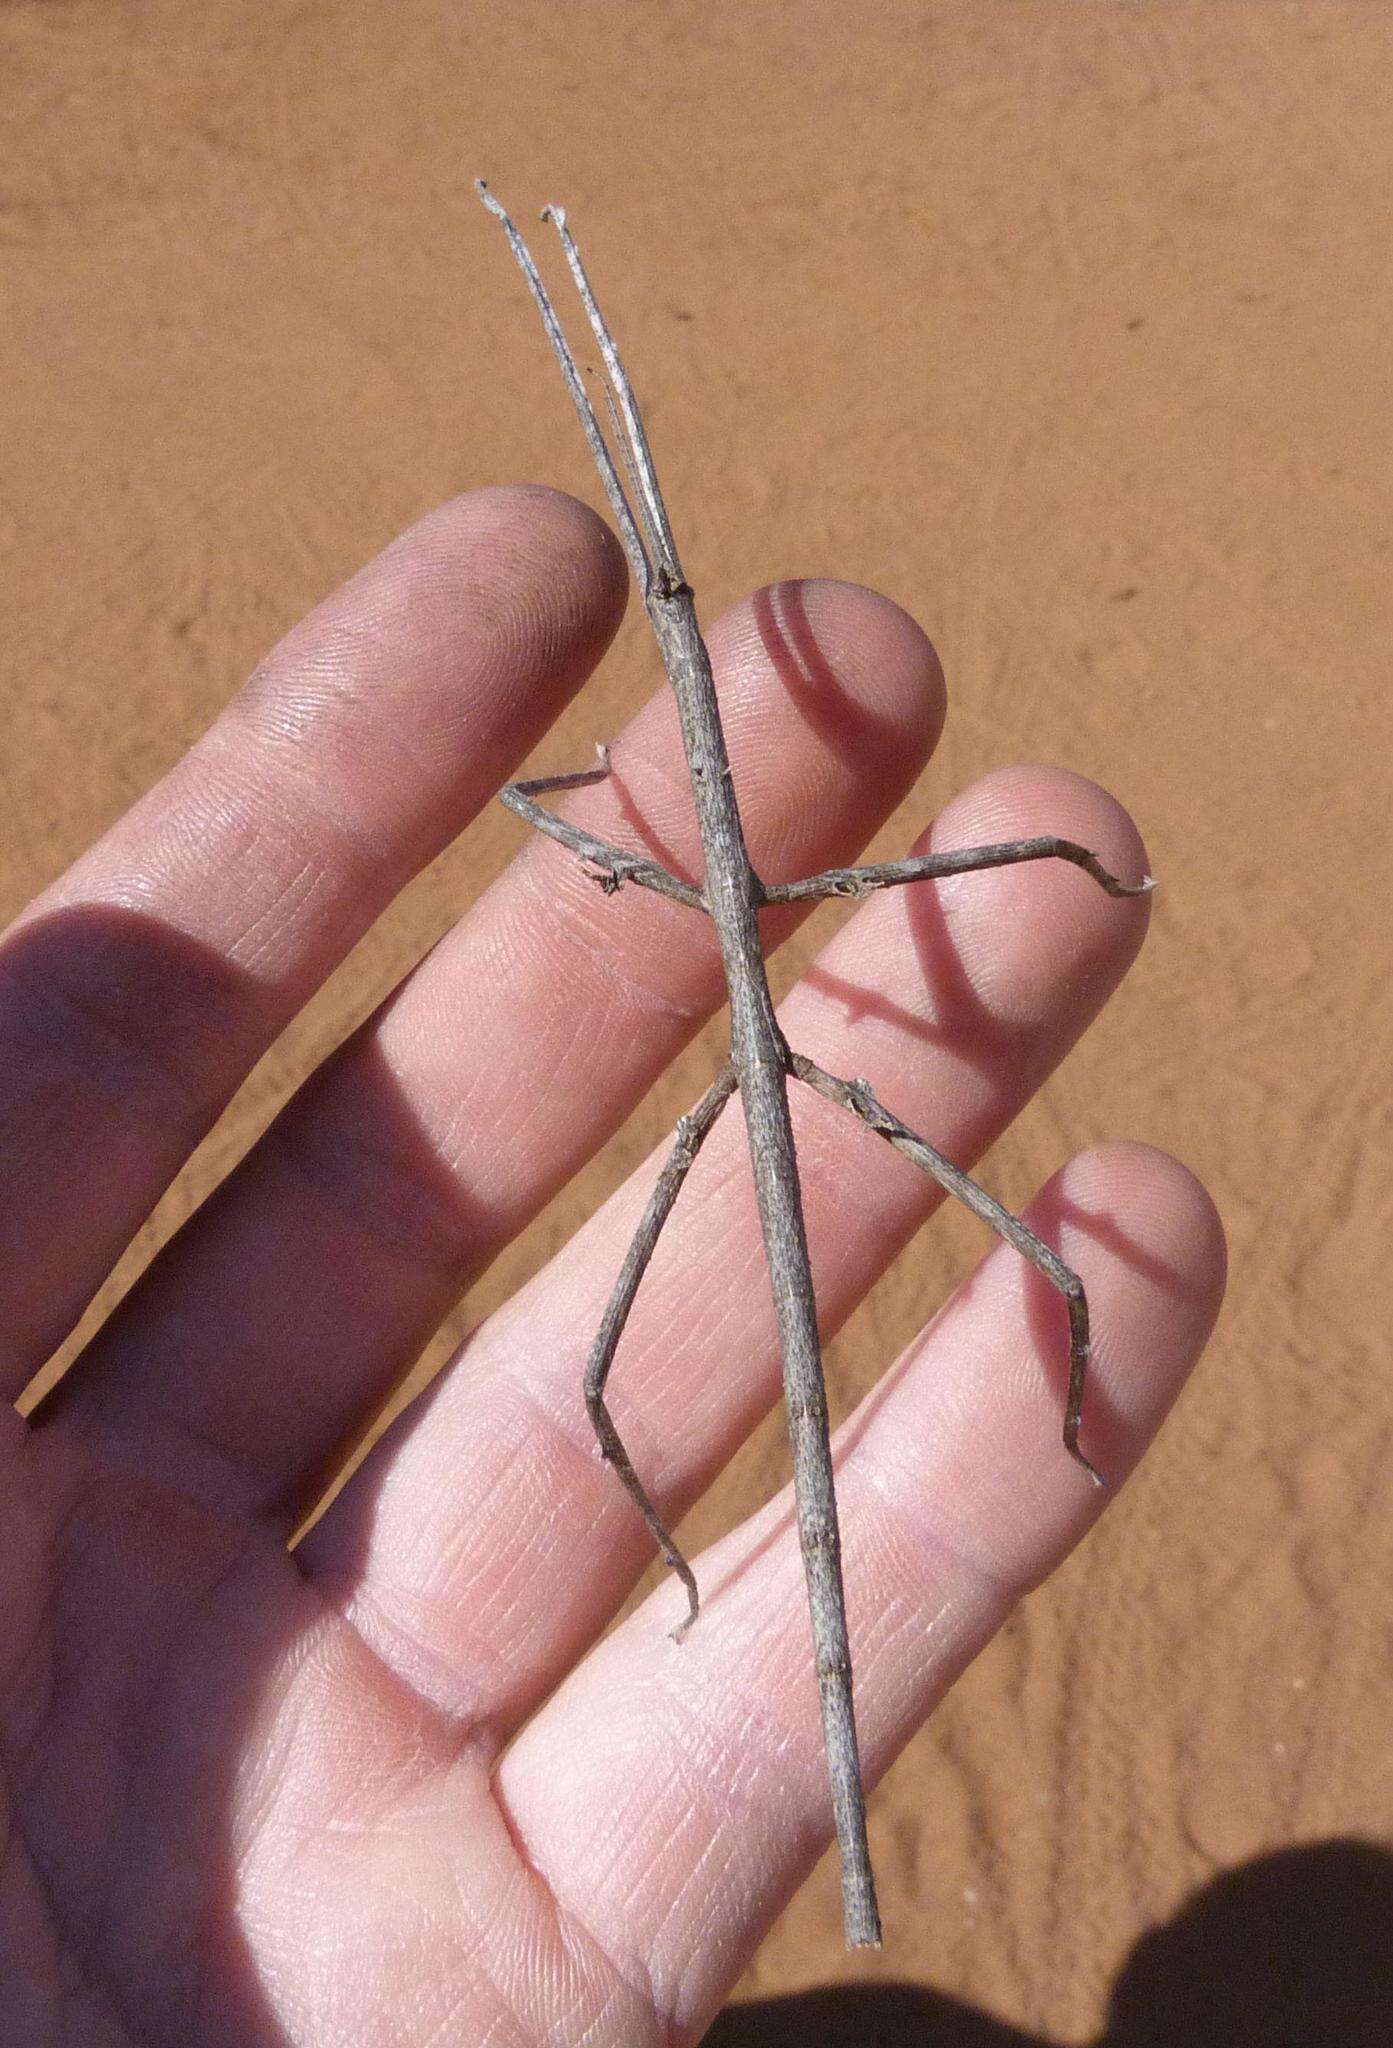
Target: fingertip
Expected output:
[1022,801]
[858,670]
[536,564]
[445,658]
[565,538]
[886,660]
[973,1434]
[1173,1213]
[1071,937]
[1146,1238]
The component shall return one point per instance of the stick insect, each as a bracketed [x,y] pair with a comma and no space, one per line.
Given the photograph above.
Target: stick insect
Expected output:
[761,1063]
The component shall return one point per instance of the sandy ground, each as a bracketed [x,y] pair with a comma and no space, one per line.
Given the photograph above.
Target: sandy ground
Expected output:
[1066,325]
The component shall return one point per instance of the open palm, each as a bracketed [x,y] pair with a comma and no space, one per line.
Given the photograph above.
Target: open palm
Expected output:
[261,1798]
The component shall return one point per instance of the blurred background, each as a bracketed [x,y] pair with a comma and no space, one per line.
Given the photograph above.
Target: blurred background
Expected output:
[1065,323]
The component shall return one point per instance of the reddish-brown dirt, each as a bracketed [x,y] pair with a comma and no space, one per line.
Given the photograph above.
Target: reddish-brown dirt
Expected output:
[1067,326]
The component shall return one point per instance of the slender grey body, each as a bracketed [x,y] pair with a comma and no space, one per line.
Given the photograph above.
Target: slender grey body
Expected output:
[760,1056]
[760,1066]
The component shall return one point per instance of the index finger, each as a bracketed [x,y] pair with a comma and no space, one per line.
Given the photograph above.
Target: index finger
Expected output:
[138,991]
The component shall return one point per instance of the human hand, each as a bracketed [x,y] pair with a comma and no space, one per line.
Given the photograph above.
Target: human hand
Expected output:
[258,1798]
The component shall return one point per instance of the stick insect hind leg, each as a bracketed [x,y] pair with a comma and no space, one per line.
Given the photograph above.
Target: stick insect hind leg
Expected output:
[857,1096]
[692,1130]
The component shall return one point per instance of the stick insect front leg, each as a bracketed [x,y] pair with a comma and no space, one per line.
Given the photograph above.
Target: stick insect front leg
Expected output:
[963,860]
[858,1097]
[692,1130]
[610,865]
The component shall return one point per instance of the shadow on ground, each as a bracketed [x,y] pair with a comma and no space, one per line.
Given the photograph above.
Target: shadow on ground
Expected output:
[1294,1950]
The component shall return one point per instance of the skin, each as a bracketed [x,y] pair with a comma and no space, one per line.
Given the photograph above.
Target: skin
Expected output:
[394,1788]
